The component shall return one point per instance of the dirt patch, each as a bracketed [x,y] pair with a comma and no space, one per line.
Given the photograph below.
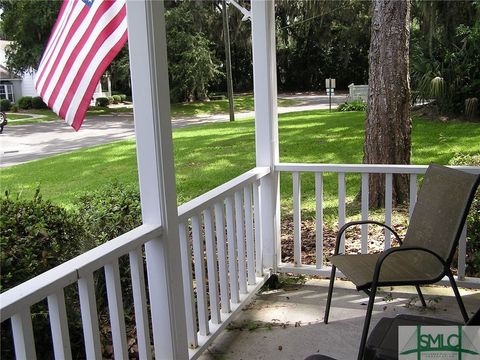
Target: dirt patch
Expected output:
[376,240]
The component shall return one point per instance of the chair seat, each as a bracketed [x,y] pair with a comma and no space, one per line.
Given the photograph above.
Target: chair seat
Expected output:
[398,269]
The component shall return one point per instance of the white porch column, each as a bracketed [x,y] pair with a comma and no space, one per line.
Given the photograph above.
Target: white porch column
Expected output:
[266,123]
[148,62]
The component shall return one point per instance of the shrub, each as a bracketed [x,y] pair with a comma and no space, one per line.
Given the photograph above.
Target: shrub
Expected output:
[116,99]
[101,102]
[473,219]
[35,236]
[109,212]
[353,106]
[106,214]
[123,97]
[5,105]
[25,102]
[37,103]
[110,99]
[14,108]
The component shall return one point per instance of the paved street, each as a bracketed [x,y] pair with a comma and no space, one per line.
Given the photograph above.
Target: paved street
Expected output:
[22,143]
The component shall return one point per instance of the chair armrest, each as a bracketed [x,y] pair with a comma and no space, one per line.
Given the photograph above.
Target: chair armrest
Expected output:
[387,253]
[361,222]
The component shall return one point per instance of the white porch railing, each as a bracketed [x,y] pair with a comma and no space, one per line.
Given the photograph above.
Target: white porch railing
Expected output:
[343,171]
[234,270]
[234,273]
[15,303]
[221,256]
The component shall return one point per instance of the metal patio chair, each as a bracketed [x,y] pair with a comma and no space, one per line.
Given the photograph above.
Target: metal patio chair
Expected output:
[426,253]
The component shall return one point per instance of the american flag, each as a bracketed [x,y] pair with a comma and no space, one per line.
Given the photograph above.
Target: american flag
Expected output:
[87,36]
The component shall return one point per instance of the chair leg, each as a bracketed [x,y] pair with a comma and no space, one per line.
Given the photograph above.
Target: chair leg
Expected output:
[457,296]
[366,324]
[330,292]
[420,295]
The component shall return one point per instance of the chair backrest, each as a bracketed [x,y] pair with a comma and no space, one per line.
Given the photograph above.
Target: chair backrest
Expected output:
[441,210]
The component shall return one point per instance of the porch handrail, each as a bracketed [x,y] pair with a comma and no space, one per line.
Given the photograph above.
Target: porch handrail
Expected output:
[342,171]
[208,199]
[34,290]
[365,168]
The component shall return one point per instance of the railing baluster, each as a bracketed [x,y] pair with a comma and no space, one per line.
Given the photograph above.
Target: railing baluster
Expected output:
[198,251]
[319,220]
[140,303]
[115,309]
[258,229]
[388,209]
[222,258]
[23,335]
[239,223]
[88,309]
[188,293]
[212,267]
[57,312]
[341,207]
[365,212]
[247,200]
[413,193]
[462,253]
[232,251]
[297,219]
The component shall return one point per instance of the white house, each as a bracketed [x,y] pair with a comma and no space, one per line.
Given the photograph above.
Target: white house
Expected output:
[12,86]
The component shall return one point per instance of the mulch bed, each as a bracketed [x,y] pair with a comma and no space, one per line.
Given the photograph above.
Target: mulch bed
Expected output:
[376,240]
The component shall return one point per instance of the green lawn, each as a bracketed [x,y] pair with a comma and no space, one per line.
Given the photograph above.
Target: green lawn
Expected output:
[242,103]
[208,155]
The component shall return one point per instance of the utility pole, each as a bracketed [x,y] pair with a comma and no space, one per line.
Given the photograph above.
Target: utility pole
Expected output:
[228,61]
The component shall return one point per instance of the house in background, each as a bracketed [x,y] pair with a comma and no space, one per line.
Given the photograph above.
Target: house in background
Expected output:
[13,87]
[104,83]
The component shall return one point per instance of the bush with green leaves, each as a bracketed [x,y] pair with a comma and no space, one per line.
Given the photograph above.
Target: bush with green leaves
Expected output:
[117,99]
[353,106]
[35,236]
[5,105]
[110,99]
[109,212]
[37,103]
[25,102]
[102,102]
[14,108]
[123,97]
[473,219]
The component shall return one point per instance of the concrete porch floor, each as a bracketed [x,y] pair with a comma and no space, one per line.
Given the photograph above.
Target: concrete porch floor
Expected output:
[288,323]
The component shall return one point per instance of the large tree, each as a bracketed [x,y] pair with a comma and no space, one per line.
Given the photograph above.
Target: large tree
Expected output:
[28,24]
[388,123]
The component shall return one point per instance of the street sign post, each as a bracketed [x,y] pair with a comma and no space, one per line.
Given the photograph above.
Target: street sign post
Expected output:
[330,87]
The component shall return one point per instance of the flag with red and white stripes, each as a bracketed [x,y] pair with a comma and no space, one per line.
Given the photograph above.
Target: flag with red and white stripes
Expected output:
[87,36]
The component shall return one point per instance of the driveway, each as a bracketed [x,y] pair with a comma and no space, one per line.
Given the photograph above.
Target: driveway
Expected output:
[22,143]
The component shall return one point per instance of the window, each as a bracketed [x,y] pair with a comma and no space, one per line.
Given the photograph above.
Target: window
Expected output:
[6,92]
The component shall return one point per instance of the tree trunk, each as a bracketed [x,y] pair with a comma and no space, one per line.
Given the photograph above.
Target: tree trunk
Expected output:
[388,123]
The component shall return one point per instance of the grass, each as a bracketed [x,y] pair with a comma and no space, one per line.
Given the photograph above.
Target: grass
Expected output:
[24,117]
[18,116]
[209,155]
[243,103]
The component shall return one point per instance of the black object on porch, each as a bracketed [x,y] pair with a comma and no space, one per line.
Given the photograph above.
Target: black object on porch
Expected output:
[426,253]
[382,344]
